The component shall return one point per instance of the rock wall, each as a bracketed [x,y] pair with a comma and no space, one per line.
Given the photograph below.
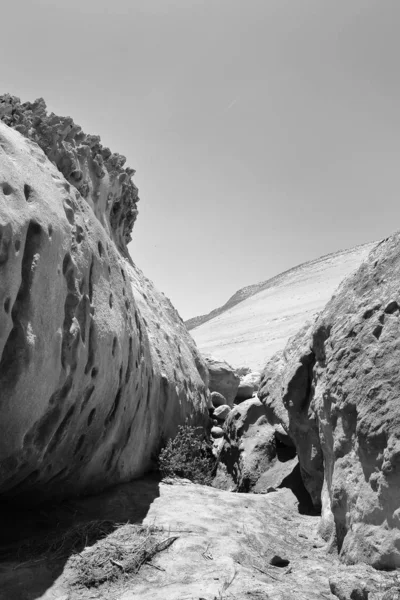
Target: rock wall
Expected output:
[96,366]
[340,385]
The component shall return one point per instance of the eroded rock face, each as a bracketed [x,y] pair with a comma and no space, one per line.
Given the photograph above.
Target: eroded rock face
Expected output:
[285,391]
[97,173]
[96,366]
[344,385]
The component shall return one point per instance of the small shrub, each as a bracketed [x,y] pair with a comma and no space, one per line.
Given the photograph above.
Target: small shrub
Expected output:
[188,455]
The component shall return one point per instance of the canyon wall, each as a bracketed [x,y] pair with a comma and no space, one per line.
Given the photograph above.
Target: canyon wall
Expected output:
[96,366]
[335,389]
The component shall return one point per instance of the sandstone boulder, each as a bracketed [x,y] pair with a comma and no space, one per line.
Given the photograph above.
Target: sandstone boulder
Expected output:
[223,379]
[217,432]
[217,399]
[96,366]
[341,390]
[250,451]
[222,412]
[248,386]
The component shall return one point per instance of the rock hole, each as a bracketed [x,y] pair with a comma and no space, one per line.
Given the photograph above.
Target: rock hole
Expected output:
[100,248]
[92,346]
[17,350]
[50,230]
[7,189]
[17,245]
[114,346]
[61,431]
[377,331]
[278,561]
[7,304]
[94,372]
[110,300]
[91,416]
[391,307]
[27,192]
[113,410]
[69,212]
[86,397]
[79,444]
[123,274]
[130,361]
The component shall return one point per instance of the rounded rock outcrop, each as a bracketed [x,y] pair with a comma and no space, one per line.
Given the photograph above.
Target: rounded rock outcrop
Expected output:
[96,366]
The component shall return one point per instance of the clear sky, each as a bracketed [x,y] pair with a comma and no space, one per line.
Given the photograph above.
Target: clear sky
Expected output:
[264,132]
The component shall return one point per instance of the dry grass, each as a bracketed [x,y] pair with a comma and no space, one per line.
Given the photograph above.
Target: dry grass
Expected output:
[117,556]
[60,544]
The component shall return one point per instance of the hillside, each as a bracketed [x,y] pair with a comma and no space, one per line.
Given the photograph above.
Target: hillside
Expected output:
[258,319]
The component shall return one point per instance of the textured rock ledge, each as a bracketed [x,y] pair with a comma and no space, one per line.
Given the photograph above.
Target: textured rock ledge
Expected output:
[96,366]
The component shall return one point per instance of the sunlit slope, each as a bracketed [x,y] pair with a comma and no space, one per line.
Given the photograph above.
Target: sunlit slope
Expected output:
[251,331]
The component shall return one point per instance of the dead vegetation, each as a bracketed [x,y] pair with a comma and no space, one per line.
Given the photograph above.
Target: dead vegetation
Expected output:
[119,555]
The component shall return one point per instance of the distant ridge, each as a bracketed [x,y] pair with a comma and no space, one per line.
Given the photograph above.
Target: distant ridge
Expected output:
[251,290]
[258,319]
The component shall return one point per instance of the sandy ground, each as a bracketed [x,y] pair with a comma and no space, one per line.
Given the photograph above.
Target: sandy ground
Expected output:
[249,333]
[224,549]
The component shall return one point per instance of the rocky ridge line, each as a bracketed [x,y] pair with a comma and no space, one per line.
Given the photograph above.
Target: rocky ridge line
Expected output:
[97,173]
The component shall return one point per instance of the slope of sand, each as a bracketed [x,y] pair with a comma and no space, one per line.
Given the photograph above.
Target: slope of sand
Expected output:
[250,332]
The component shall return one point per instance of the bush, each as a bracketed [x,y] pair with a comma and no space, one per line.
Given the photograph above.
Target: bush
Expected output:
[188,455]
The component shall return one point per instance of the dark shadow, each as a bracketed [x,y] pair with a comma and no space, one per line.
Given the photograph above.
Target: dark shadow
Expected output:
[27,566]
[284,452]
[295,483]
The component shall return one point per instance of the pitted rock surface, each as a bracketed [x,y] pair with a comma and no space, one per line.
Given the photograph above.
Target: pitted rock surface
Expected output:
[341,389]
[96,366]
[97,173]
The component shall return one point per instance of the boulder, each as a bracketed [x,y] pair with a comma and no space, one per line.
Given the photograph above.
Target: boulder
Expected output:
[340,387]
[96,366]
[250,450]
[222,412]
[248,386]
[217,399]
[223,379]
[217,432]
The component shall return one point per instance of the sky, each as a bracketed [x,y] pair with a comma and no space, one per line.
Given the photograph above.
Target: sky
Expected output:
[265,133]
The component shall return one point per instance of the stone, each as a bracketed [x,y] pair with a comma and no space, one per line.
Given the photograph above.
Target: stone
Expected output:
[222,412]
[248,386]
[249,449]
[223,379]
[96,366]
[340,386]
[217,399]
[217,432]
